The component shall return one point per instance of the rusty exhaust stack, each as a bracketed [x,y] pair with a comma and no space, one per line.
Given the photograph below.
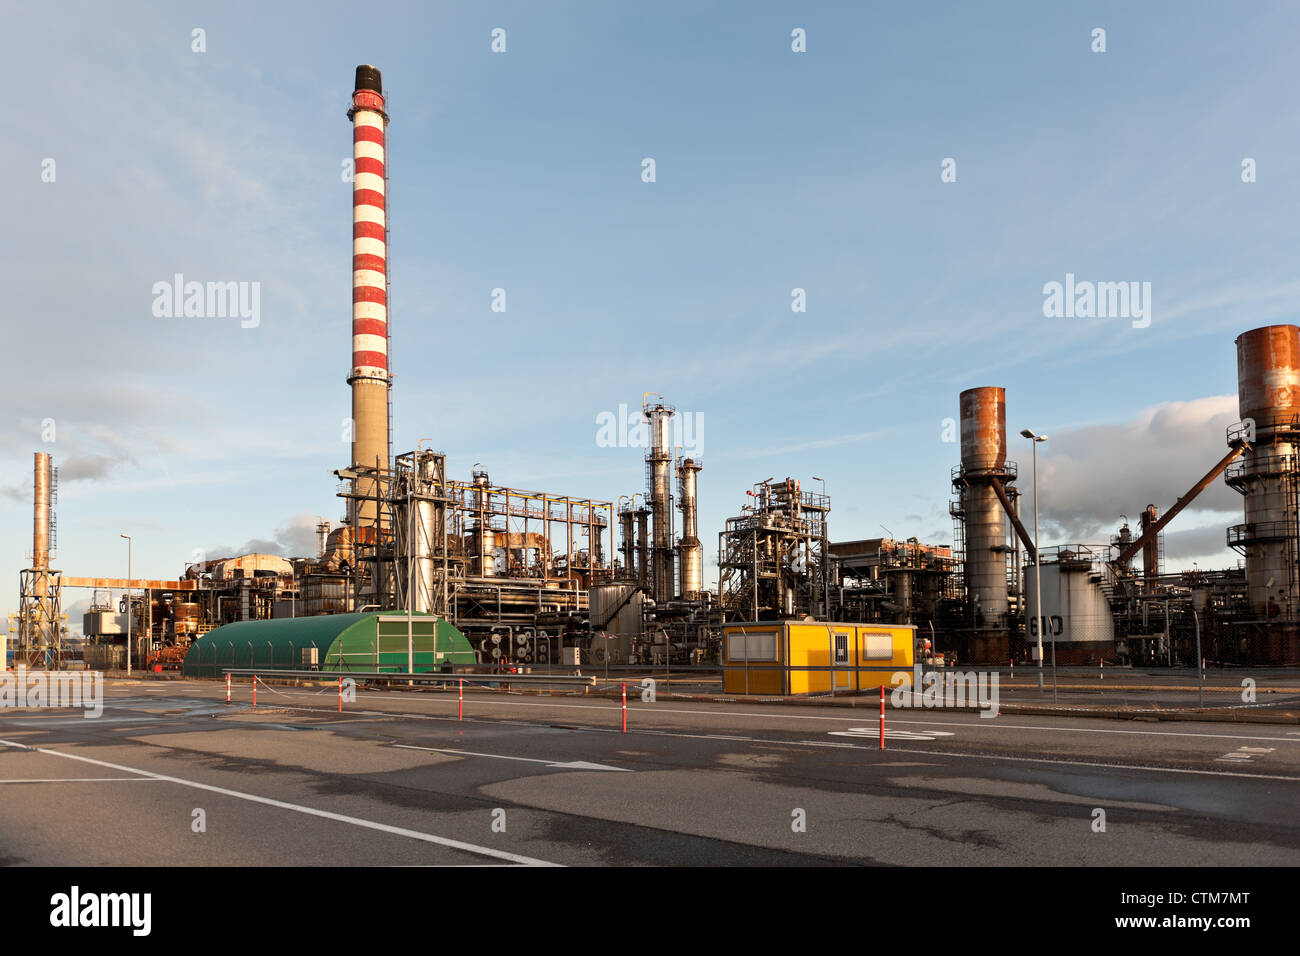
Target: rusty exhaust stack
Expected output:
[1268,400]
[983,461]
[41,512]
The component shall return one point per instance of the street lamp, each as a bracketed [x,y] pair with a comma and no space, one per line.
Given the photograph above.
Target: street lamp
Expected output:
[1038,573]
[128,602]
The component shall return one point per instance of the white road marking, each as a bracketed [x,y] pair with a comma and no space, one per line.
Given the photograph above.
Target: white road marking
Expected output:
[1104,766]
[982,724]
[311,811]
[84,780]
[74,721]
[1243,754]
[571,765]
[891,734]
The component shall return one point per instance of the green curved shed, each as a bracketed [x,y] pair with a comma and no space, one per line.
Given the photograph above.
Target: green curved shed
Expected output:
[374,641]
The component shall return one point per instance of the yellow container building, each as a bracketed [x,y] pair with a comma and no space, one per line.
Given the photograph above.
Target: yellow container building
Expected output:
[795,657]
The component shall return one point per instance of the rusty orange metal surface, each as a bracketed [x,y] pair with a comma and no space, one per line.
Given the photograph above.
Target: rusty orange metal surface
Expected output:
[1268,372]
[984,427]
[133,583]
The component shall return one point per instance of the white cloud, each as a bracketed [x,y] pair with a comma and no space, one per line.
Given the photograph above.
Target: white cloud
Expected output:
[1089,476]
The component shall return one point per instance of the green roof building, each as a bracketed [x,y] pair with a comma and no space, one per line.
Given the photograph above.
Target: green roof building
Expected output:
[374,641]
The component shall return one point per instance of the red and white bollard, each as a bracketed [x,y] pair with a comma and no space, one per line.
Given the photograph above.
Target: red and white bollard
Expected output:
[460,701]
[882,716]
[340,693]
[625,708]
[227,688]
[255,692]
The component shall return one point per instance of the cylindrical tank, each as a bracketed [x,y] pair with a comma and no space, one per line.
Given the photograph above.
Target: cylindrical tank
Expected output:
[983,427]
[41,512]
[185,618]
[484,549]
[1268,373]
[602,601]
[1075,608]
[1268,392]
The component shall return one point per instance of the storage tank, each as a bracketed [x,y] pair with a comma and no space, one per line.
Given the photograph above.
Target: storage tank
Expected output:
[185,618]
[1076,610]
[483,546]
[616,608]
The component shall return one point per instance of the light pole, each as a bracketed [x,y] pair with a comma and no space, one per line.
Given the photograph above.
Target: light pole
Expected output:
[128,602]
[1038,572]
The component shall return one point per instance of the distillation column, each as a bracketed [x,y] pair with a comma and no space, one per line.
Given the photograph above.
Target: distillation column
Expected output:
[689,546]
[659,465]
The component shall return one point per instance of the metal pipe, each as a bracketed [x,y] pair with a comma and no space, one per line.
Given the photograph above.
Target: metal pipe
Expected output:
[1021,533]
[1153,530]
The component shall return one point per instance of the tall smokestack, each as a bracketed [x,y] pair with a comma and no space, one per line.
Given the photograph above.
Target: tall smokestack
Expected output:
[1268,393]
[369,376]
[41,512]
[984,456]
[689,545]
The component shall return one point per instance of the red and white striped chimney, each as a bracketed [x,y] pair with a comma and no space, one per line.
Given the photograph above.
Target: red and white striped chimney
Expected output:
[369,376]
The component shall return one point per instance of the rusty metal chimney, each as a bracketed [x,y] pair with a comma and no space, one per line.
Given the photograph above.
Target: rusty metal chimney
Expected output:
[984,456]
[1268,399]
[41,512]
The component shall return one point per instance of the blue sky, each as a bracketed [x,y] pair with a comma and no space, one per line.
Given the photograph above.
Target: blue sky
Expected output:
[522,171]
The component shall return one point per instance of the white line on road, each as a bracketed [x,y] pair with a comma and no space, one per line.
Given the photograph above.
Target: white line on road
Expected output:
[975,724]
[311,811]
[892,734]
[571,765]
[84,780]
[972,756]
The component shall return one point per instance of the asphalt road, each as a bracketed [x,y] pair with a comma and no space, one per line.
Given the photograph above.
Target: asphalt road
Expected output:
[172,775]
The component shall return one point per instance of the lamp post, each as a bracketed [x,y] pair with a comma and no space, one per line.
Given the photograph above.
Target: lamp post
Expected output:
[128,602]
[1038,573]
